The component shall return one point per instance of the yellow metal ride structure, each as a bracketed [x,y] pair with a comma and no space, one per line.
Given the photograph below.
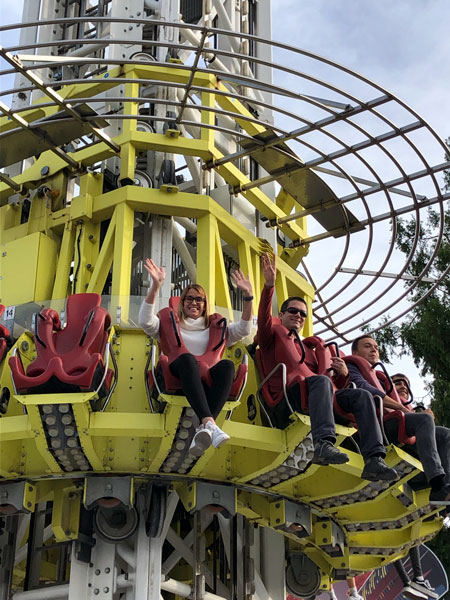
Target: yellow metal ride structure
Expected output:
[99,495]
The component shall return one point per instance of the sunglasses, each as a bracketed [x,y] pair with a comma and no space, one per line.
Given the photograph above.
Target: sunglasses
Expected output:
[296,311]
[198,299]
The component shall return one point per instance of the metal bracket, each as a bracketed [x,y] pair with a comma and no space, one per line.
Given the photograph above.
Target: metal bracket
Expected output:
[197,495]
[330,537]
[291,518]
[19,496]
[121,488]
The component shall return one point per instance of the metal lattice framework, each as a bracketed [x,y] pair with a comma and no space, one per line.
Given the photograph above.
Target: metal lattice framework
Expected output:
[380,159]
[102,109]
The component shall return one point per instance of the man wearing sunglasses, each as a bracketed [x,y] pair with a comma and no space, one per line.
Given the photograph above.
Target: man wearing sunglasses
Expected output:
[293,314]
[432,445]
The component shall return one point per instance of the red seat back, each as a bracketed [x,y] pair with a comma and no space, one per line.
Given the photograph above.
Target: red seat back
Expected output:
[174,302]
[379,380]
[71,355]
[4,334]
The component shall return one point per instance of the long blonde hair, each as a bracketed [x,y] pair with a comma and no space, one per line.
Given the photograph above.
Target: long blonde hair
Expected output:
[197,288]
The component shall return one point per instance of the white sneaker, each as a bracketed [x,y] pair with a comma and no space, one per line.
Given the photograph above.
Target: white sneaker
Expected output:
[354,596]
[201,441]
[424,586]
[412,593]
[219,437]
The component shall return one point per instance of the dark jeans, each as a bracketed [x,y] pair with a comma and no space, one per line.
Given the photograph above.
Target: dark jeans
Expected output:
[206,401]
[358,402]
[432,445]
[414,555]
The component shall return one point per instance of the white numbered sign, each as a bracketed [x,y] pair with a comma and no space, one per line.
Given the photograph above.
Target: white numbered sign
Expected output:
[9,313]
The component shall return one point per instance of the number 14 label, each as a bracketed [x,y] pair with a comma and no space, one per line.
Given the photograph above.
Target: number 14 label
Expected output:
[10,311]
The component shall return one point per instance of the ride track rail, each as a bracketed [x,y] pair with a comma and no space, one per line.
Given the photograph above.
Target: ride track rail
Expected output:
[328,127]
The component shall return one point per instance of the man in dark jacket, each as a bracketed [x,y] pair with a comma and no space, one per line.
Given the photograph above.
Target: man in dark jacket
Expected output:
[292,315]
[432,443]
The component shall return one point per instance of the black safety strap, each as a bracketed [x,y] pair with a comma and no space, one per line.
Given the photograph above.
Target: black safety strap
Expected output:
[172,317]
[336,347]
[36,335]
[86,327]
[383,368]
[222,322]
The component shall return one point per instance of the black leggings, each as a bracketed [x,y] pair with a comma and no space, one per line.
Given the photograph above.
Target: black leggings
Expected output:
[206,401]
[414,556]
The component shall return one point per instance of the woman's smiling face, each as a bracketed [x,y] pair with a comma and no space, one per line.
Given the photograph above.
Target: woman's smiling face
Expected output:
[194,304]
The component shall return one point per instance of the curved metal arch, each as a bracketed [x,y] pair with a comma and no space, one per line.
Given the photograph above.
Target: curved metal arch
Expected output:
[323,155]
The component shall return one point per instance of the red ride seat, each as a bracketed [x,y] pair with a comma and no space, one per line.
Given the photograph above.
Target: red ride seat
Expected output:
[169,384]
[4,336]
[295,370]
[380,380]
[69,359]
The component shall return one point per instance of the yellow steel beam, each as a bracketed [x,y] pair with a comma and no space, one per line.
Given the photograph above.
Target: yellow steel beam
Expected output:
[144,140]
[183,204]
[66,513]
[208,118]
[281,287]
[123,247]
[84,89]
[257,197]
[127,425]
[104,260]
[86,250]
[62,281]
[128,150]
[233,105]
[15,428]
[206,249]
[221,286]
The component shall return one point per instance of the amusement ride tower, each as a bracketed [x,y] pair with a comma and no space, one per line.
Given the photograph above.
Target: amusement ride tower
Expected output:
[178,129]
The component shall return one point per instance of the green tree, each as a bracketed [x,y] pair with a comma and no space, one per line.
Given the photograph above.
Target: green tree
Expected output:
[425,334]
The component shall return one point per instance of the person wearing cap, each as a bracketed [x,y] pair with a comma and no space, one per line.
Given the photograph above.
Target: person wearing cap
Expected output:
[418,586]
[432,442]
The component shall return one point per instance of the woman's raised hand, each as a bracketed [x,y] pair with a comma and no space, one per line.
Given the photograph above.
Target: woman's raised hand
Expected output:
[269,269]
[242,283]
[157,274]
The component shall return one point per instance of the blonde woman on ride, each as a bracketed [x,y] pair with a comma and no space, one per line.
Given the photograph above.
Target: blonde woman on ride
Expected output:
[197,328]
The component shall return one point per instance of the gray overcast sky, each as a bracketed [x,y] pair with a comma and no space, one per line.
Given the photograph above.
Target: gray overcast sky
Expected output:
[403,45]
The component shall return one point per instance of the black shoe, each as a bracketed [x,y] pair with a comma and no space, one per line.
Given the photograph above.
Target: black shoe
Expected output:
[327,454]
[441,496]
[425,587]
[376,469]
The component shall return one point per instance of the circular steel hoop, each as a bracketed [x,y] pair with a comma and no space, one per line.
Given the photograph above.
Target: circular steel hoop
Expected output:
[382,161]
